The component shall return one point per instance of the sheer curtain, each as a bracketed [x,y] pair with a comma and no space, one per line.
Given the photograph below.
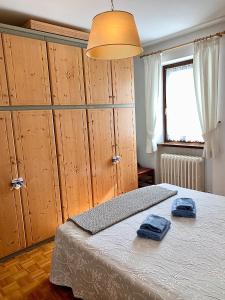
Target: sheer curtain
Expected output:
[181,109]
[153,75]
[206,72]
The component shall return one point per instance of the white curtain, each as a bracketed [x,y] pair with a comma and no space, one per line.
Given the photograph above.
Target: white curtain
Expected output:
[206,73]
[181,105]
[153,73]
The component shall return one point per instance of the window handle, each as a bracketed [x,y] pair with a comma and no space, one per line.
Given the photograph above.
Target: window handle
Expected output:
[166,111]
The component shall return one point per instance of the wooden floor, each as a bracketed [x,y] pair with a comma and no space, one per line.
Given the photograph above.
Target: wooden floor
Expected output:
[26,277]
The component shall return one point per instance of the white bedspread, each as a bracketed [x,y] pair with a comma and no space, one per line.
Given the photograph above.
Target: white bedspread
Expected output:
[115,264]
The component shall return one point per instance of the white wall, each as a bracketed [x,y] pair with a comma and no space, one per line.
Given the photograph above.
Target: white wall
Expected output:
[215,169]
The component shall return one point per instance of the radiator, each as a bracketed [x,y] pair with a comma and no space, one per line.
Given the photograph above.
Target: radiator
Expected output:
[184,171]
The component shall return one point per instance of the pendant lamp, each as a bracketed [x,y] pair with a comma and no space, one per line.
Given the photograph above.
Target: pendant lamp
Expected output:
[113,35]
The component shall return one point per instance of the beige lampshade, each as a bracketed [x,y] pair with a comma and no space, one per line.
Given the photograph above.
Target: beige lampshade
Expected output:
[113,35]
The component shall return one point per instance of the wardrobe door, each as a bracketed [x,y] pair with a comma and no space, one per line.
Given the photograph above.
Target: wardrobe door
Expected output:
[36,154]
[102,149]
[66,73]
[123,81]
[126,149]
[4,97]
[74,161]
[27,70]
[12,236]
[98,81]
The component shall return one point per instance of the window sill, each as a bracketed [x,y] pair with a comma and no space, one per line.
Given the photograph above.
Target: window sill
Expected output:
[183,145]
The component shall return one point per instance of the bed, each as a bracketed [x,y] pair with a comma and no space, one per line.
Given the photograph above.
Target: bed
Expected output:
[188,264]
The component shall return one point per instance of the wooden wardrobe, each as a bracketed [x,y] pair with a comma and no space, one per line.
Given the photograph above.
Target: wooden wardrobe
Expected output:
[63,120]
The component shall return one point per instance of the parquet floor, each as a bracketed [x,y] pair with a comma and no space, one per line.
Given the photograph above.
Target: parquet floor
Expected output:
[26,277]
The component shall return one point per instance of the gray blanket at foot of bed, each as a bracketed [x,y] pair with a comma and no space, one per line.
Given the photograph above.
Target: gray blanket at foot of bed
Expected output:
[120,208]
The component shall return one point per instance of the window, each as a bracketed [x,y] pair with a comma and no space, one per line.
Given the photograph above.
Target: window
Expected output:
[181,122]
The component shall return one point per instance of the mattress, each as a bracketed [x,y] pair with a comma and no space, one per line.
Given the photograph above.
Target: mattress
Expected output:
[115,264]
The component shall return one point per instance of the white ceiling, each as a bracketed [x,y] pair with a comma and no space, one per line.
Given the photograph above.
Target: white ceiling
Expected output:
[156,19]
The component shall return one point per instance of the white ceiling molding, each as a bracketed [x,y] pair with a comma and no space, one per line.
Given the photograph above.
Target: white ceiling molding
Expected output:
[184,32]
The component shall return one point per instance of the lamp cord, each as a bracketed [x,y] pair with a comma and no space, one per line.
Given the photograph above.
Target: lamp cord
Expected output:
[112,5]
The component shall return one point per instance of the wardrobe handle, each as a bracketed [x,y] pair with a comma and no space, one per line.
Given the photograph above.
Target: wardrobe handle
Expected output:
[17,183]
[116,159]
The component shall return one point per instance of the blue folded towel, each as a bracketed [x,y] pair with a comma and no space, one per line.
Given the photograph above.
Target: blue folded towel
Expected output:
[154,223]
[184,207]
[154,227]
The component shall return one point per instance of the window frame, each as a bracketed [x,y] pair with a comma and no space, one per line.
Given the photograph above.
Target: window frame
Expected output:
[168,142]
